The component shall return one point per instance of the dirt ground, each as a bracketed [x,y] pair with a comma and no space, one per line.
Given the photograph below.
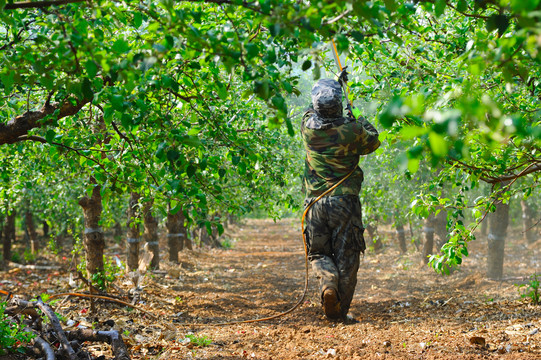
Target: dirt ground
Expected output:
[405,310]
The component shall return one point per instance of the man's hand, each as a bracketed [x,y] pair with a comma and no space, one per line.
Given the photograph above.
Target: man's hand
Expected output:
[343,77]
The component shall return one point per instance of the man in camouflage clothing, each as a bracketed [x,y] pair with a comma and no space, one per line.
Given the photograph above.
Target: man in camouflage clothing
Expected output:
[334,228]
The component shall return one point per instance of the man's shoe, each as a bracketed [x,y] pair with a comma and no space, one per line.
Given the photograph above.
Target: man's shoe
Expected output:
[350,320]
[331,304]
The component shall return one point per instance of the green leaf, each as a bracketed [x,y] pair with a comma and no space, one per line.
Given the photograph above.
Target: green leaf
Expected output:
[49,136]
[306,65]
[121,46]
[497,21]
[191,141]
[439,7]
[390,4]
[47,81]
[220,229]
[222,92]
[91,68]
[137,20]
[342,43]
[126,120]
[175,207]
[410,132]
[290,129]
[7,80]
[251,50]
[413,165]
[279,102]
[393,110]
[357,35]
[190,170]
[462,5]
[261,88]
[241,167]
[438,144]
[117,101]
[194,131]
[86,88]
[172,155]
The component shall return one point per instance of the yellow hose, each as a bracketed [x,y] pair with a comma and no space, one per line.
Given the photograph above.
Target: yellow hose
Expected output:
[305,266]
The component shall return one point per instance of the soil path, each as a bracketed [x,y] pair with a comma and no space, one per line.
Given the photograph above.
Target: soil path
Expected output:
[405,310]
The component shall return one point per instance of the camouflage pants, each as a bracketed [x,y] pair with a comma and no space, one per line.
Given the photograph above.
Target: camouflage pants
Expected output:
[334,236]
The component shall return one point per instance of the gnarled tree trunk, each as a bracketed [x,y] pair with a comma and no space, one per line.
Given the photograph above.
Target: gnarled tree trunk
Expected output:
[177,234]
[134,235]
[498,223]
[150,235]
[93,239]
[32,234]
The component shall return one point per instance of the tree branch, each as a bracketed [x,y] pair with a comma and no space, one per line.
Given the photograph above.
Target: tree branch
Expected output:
[38,4]
[530,169]
[337,18]
[182,97]
[11,131]
[534,166]
[111,337]
[467,14]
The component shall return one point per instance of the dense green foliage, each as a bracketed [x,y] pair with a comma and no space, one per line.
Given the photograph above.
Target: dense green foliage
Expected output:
[12,336]
[190,101]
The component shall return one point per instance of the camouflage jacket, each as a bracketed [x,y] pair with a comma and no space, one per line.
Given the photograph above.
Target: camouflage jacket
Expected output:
[333,148]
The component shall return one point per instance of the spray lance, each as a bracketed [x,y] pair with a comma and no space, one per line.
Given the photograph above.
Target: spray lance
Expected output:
[343,79]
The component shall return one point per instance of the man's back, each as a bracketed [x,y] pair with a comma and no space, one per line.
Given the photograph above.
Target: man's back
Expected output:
[332,151]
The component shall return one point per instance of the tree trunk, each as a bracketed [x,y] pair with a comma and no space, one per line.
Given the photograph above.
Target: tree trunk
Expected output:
[9,237]
[372,231]
[93,239]
[32,234]
[527,222]
[210,240]
[45,229]
[498,223]
[187,240]
[401,234]
[440,228]
[484,226]
[5,259]
[150,234]
[428,229]
[117,230]
[174,234]
[231,219]
[414,239]
[204,237]
[177,234]
[134,235]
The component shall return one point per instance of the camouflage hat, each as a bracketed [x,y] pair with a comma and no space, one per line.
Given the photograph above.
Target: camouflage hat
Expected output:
[327,98]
